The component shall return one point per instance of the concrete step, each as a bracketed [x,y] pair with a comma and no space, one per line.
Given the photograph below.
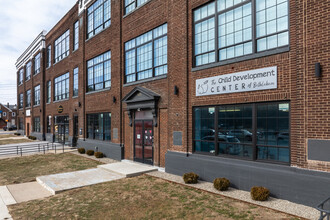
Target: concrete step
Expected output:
[28,191]
[65,181]
[6,196]
[128,169]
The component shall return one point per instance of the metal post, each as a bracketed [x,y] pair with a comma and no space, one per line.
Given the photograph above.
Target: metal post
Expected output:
[63,147]
[21,152]
[38,147]
[17,150]
[55,148]
[44,149]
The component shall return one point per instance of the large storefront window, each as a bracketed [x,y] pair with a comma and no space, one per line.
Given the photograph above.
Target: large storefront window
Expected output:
[99,126]
[36,124]
[250,131]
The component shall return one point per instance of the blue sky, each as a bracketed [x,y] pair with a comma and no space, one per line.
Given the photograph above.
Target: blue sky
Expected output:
[20,23]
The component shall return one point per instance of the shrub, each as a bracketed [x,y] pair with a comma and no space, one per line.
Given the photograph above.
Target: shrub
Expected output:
[90,152]
[190,178]
[221,184]
[259,193]
[17,134]
[99,155]
[32,138]
[81,150]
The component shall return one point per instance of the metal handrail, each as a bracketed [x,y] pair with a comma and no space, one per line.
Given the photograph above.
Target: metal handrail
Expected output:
[323,213]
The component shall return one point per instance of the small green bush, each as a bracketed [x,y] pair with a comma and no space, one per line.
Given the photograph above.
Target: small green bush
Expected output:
[90,152]
[32,138]
[81,150]
[99,155]
[221,184]
[17,134]
[259,193]
[190,178]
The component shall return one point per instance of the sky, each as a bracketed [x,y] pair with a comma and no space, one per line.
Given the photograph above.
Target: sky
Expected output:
[21,21]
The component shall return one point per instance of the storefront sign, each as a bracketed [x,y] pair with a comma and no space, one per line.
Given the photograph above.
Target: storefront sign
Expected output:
[28,113]
[252,80]
[60,109]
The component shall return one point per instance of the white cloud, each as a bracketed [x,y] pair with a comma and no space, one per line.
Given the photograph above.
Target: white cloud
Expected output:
[20,23]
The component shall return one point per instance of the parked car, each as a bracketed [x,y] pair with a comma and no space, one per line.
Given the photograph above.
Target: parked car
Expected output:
[12,128]
[241,134]
[4,128]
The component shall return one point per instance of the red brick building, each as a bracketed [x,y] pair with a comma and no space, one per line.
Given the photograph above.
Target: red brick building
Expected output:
[8,115]
[235,88]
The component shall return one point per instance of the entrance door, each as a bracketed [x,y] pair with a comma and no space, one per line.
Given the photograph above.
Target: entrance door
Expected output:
[143,146]
[75,130]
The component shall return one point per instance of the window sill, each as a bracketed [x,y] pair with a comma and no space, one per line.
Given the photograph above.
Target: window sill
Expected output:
[146,80]
[27,80]
[99,32]
[62,100]
[20,84]
[101,141]
[243,58]
[101,90]
[61,60]
[74,97]
[36,106]
[135,9]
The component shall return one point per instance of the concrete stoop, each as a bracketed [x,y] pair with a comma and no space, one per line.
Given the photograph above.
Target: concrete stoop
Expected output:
[103,173]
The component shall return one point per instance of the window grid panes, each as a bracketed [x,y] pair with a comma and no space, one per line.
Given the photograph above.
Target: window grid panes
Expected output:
[28,71]
[247,131]
[49,56]
[28,98]
[131,5]
[20,101]
[223,29]
[49,122]
[75,82]
[37,64]
[61,85]
[146,55]
[76,36]
[36,124]
[20,123]
[62,46]
[49,91]
[20,77]
[99,72]
[98,17]
[99,126]
[37,95]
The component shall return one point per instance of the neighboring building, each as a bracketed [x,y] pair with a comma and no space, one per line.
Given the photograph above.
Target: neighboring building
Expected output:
[221,88]
[8,115]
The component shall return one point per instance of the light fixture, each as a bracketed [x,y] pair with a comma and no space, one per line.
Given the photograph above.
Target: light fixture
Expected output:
[318,70]
[114,99]
[176,90]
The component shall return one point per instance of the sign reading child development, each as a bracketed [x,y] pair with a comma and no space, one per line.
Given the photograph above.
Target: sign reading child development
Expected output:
[252,80]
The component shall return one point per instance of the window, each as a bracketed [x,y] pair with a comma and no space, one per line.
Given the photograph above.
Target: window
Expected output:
[36,124]
[61,84]
[20,105]
[13,114]
[98,17]
[49,123]
[249,131]
[76,36]
[62,46]
[49,56]
[130,5]
[20,77]
[28,98]
[28,71]
[99,72]
[146,55]
[37,95]
[75,81]
[99,126]
[49,91]
[20,124]
[4,114]
[223,29]
[37,64]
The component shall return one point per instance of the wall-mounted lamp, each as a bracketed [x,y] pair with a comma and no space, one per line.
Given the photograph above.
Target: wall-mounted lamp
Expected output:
[40,110]
[318,70]
[114,99]
[176,90]
[79,104]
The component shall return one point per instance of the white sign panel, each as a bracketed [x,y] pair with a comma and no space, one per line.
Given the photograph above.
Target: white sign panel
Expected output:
[28,113]
[252,80]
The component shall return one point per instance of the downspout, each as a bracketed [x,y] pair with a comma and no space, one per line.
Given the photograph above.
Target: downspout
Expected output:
[187,75]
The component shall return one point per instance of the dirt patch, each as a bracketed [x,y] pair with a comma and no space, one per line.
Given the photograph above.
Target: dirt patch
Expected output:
[14,141]
[27,168]
[143,197]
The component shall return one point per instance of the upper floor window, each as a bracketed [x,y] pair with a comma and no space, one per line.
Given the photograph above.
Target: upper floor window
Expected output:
[37,64]
[130,5]
[99,72]
[49,56]
[36,124]
[146,55]
[62,46]
[75,81]
[76,36]
[49,91]
[20,77]
[28,99]
[98,17]
[20,104]
[4,114]
[224,29]
[28,71]
[62,87]
[13,114]
[37,95]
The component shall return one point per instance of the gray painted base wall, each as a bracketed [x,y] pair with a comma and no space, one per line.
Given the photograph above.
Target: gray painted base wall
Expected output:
[39,136]
[111,150]
[297,185]
[49,137]
[20,132]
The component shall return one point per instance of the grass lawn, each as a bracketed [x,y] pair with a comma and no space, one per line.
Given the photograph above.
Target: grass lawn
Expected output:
[7,136]
[27,168]
[14,141]
[141,197]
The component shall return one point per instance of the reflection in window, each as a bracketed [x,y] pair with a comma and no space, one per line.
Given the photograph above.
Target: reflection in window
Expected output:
[62,46]
[204,129]
[61,84]
[99,126]
[99,72]
[98,17]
